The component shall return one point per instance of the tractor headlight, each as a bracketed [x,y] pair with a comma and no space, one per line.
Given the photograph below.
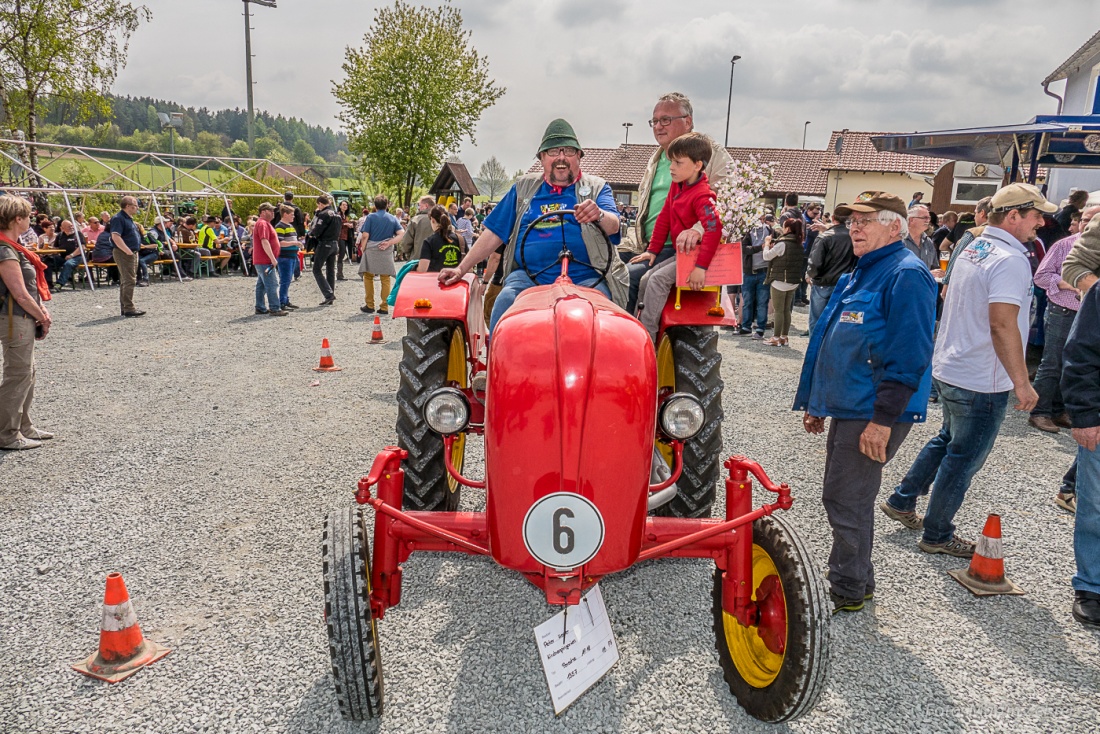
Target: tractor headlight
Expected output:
[447,411]
[682,416]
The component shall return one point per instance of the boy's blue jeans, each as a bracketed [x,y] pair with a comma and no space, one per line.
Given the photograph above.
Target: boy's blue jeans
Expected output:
[286,274]
[1086,524]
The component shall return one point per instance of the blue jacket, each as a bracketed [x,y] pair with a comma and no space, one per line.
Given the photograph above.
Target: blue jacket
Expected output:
[876,328]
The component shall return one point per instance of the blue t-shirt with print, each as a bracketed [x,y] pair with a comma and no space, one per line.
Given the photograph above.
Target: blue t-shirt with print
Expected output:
[544,243]
[380,226]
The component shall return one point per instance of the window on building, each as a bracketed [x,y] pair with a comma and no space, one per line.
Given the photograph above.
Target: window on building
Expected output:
[971,190]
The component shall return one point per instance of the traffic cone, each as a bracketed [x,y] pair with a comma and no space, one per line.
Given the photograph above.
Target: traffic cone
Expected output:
[122,649]
[327,365]
[376,334]
[986,575]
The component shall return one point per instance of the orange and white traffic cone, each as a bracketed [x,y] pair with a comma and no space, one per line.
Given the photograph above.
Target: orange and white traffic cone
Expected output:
[376,333]
[986,575]
[122,649]
[327,365]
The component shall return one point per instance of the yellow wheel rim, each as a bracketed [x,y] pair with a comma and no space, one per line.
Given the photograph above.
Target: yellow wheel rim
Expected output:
[457,374]
[758,665]
[666,377]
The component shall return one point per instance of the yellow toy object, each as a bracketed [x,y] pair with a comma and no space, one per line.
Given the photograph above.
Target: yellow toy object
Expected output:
[716,309]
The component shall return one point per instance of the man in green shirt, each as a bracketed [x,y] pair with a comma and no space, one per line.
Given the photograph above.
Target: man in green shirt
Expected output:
[672,117]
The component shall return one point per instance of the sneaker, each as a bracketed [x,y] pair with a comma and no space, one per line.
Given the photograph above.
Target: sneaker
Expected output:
[757,335]
[744,332]
[289,305]
[1086,608]
[842,604]
[38,435]
[1043,423]
[958,547]
[22,444]
[366,309]
[280,312]
[911,520]
[261,311]
[1063,420]
[1067,501]
[142,284]
[187,279]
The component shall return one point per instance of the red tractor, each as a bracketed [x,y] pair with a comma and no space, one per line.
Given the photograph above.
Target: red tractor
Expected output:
[567,369]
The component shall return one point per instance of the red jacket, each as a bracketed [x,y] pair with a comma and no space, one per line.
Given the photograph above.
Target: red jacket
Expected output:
[687,204]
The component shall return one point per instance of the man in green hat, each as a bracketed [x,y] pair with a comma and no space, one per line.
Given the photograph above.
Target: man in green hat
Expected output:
[560,185]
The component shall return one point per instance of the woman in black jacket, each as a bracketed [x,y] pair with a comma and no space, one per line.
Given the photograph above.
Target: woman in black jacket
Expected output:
[786,269]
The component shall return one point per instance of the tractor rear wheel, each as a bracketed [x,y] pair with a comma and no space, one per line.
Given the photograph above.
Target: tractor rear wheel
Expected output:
[352,629]
[433,356]
[778,667]
[688,361]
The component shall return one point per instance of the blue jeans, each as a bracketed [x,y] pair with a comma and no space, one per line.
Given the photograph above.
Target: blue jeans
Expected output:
[286,274]
[637,270]
[67,269]
[971,421]
[755,295]
[1047,379]
[517,282]
[1086,525]
[144,262]
[267,282]
[819,298]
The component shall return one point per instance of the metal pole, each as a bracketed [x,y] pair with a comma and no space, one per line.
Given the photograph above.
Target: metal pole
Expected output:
[79,243]
[167,239]
[627,125]
[729,103]
[804,126]
[248,77]
[233,229]
[172,138]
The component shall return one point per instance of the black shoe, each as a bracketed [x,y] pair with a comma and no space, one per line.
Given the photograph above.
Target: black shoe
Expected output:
[133,314]
[1086,608]
[744,332]
[214,274]
[289,305]
[261,311]
[842,604]
[280,312]
[366,309]
[340,277]
[142,284]
[327,302]
[384,311]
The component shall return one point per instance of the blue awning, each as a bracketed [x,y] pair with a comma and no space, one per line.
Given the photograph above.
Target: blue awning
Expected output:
[1072,141]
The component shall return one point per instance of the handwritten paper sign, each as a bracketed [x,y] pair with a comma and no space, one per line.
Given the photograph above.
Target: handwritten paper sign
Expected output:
[577,648]
[724,268]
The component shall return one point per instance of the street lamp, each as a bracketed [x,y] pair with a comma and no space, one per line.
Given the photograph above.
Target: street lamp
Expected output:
[627,125]
[804,126]
[172,121]
[729,104]
[248,68]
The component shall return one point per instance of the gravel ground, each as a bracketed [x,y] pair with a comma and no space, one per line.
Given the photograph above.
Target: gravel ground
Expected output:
[194,457]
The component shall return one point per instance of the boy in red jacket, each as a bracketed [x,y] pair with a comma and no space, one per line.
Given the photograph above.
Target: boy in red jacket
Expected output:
[690,200]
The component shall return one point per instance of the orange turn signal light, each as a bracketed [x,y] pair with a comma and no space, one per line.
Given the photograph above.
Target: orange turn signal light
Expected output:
[422,303]
[716,311]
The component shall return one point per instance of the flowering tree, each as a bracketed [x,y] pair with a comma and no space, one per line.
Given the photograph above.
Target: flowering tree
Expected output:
[739,197]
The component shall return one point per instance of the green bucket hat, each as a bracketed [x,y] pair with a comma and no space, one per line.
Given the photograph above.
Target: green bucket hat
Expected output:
[559,134]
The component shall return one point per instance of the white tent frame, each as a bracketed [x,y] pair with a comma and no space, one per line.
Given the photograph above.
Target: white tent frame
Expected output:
[241,168]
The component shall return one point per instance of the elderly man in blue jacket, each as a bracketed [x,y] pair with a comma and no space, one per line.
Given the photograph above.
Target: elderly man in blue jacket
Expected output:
[869,369]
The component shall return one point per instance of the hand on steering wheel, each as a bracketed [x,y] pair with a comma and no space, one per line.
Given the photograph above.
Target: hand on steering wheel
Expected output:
[565,251]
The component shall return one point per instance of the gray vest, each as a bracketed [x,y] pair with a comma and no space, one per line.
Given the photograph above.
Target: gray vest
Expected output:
[618,277]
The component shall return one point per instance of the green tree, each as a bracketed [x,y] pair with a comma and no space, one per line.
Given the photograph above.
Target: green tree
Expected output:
[492,177]
[239,149]
[71,49]
[303,153]
[209,144]
[401,118]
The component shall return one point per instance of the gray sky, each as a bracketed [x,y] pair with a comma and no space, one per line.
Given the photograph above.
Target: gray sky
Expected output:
[860,64]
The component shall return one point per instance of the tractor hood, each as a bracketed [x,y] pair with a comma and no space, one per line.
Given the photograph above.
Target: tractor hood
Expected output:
[571,408]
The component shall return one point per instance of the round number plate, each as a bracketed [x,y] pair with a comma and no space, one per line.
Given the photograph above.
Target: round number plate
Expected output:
[563,531]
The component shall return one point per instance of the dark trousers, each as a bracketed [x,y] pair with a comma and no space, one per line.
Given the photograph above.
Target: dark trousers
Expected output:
[324,257]
[848,492]
[1058,322]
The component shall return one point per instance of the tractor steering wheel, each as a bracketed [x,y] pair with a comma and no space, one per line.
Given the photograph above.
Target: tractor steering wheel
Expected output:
[565,251]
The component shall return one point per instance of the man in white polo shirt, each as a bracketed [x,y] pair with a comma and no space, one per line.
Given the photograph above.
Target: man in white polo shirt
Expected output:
[978,361]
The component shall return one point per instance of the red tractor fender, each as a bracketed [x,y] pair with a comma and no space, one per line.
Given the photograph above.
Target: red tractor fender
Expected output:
[422,297]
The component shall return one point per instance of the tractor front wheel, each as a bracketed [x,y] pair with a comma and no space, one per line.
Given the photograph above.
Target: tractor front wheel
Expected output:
[777,668]
[433,356]
[688,361]
[352,629]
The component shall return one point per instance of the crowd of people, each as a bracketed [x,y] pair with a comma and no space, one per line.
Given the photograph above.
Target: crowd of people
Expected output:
[905,308]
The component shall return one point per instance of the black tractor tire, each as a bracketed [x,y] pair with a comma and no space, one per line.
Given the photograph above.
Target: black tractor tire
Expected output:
[426,351]
[698,371]
[803,671]
[352,629]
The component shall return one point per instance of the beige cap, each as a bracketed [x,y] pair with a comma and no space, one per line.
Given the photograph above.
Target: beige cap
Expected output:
[1021,196]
